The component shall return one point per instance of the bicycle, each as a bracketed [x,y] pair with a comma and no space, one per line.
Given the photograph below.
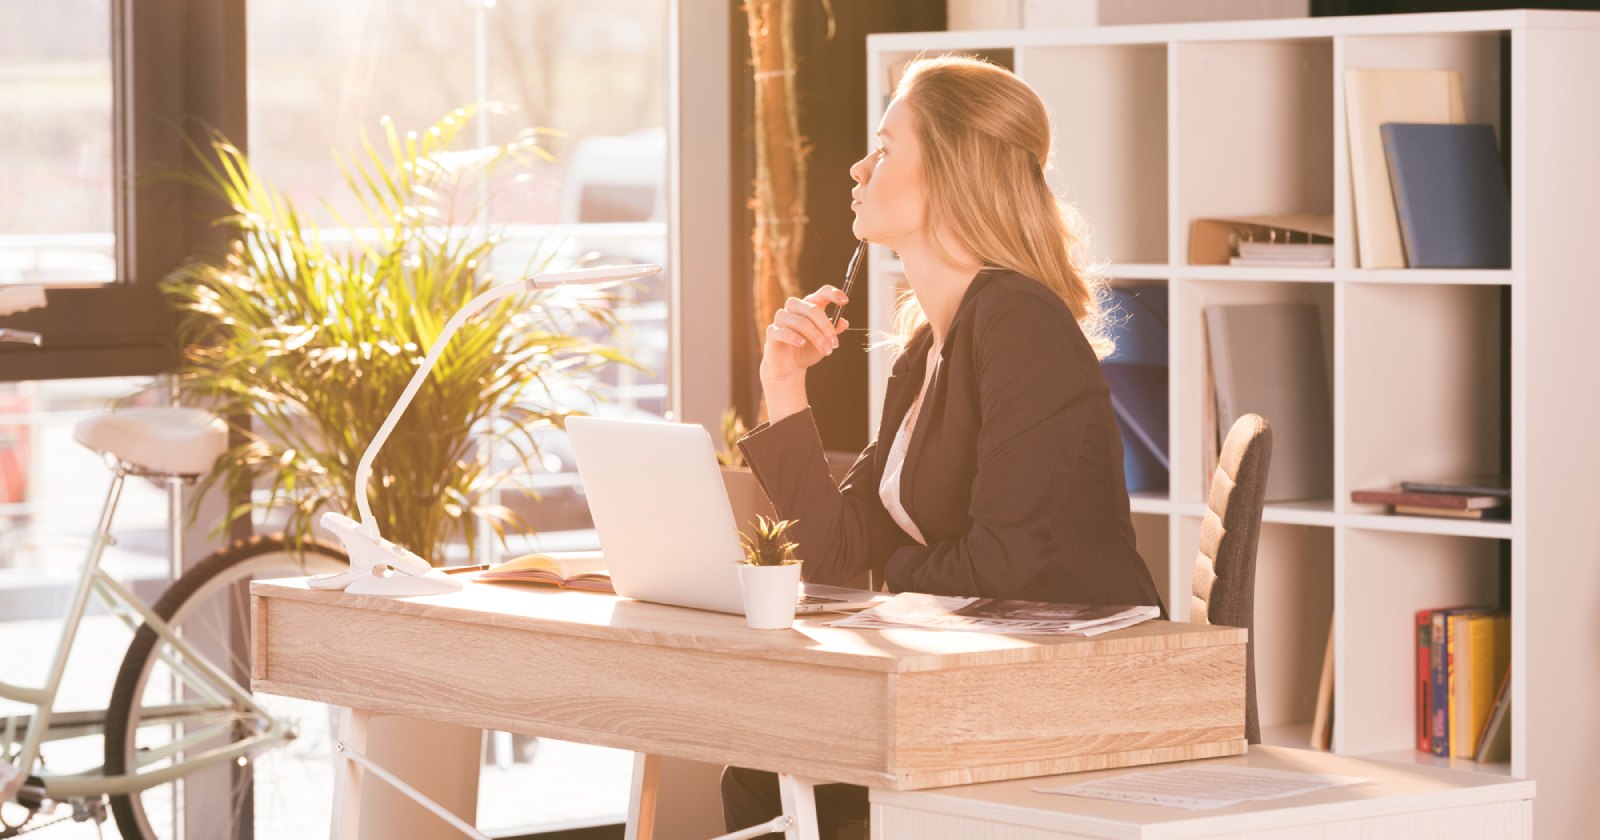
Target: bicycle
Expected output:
[181,715]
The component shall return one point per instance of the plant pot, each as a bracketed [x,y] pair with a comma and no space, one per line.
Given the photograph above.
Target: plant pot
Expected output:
[746,497]
[769,594]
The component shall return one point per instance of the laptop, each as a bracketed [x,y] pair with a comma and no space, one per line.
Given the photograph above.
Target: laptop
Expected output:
[662,515]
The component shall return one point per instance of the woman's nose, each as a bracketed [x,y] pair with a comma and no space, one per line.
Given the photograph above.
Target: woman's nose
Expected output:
[861,169]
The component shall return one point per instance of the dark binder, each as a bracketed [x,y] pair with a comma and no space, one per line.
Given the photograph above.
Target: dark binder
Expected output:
[1450,194]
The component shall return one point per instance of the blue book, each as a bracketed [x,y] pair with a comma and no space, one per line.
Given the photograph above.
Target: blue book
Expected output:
[1450,194]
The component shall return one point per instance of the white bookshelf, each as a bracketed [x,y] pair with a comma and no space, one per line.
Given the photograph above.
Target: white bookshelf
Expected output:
[1214,119]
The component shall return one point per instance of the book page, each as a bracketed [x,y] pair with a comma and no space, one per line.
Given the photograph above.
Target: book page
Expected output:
[1204,788]
[555,565]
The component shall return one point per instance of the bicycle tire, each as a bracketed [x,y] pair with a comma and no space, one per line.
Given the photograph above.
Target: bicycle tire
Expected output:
[236,563]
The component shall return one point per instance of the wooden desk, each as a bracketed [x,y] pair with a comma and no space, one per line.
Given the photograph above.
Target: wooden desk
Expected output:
[897,710]
[1401,801]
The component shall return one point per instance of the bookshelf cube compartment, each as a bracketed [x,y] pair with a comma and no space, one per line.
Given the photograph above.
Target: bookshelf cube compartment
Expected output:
[1256,118]
[1482,60]
[1398,574]
[1426,393]
[1190,299]
[1293,616]
[1108,110]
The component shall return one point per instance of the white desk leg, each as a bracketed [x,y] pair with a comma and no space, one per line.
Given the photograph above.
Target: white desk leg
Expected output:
[351,734]
[642,798]
[800,802]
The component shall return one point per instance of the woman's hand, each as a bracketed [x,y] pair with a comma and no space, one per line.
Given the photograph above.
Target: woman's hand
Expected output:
[800,336]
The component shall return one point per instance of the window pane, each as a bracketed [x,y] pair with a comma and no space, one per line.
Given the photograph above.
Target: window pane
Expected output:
[322,74]
[57,224]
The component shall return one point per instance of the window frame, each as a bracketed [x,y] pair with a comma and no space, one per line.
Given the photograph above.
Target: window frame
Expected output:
[178,70]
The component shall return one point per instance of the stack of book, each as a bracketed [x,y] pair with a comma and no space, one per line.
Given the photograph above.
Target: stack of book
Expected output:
[1479,497]
[1463,683]
[1284,254]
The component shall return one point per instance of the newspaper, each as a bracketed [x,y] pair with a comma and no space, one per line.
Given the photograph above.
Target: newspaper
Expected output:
[1203,788]
[992,615]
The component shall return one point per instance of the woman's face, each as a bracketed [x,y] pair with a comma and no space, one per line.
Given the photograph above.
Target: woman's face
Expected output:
[889,201]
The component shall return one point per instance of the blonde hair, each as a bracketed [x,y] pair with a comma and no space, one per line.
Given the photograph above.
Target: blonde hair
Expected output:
[985,138]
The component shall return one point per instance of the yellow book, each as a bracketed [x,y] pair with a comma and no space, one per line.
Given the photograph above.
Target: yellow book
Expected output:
[568,570]
[1481,652]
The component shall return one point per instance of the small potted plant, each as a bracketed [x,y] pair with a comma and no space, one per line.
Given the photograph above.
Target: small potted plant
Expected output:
[769,575]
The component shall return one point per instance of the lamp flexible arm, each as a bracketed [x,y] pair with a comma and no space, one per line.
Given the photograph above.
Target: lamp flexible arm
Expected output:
[369,525]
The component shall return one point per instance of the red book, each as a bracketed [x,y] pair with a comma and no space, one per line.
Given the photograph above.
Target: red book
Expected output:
[1424,642]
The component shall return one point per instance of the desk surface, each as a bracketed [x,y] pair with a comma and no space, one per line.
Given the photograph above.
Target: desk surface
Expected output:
[902,709]
[569,612]
[1395,789]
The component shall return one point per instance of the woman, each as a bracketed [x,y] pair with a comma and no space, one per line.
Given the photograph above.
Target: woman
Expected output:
[997,470]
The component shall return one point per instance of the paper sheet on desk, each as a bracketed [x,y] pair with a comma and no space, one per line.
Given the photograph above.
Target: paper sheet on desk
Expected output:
[1203,788]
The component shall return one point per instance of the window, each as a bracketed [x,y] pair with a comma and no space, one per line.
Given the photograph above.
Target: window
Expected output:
[57,152]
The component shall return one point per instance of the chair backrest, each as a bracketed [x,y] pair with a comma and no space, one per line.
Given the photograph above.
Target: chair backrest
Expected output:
[1225,570]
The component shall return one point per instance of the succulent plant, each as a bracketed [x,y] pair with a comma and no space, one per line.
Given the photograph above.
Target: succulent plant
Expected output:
[769,545]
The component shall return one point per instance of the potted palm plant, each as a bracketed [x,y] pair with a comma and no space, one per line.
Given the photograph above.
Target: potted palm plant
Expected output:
[305,338]
[311,338]
[769,575]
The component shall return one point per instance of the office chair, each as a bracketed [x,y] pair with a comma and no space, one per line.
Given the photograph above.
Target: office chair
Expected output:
[1225,570]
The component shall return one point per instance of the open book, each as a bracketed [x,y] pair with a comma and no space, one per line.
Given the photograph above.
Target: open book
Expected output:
[568,569]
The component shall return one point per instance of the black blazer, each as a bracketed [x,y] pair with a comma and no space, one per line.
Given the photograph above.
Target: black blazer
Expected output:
[1014,474]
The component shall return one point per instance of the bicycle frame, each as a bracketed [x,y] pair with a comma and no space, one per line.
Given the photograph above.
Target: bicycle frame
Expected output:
[225,700]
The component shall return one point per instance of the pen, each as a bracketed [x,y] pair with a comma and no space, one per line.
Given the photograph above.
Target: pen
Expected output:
[456,570]
[850,273]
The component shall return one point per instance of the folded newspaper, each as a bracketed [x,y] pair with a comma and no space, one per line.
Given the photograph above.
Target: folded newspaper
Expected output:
[992,615]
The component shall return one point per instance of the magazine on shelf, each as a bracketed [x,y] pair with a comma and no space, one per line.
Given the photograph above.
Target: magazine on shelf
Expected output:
[569,570]
[994,615]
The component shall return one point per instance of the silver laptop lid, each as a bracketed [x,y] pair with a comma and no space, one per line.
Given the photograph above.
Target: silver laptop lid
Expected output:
[660,510]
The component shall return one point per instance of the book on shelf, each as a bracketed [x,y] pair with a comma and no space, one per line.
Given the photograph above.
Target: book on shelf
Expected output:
[1424,697]
[584,570]
[1284,254]
[1218,240]
[1494,743]
[1374,97]
[1444,719]
[1322,721]
[1268,359]
[1137,375]
[1482,645]
[1450,194]
[1474,485]
[1449,513]
[1443,501]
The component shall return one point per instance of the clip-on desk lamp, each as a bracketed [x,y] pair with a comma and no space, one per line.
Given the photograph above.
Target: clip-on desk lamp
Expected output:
[377,566]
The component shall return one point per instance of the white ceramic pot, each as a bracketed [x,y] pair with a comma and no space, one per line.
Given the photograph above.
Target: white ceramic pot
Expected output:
[769,595]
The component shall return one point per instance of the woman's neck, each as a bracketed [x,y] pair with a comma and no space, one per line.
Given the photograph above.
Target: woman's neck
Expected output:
[939,283]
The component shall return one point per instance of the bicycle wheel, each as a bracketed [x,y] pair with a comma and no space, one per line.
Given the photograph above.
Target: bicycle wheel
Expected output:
[208,608]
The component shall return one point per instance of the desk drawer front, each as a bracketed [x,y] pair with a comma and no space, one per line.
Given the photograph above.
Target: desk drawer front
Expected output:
[827,722]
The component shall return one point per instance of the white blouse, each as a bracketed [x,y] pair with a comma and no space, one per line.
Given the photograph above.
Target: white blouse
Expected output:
[894,464]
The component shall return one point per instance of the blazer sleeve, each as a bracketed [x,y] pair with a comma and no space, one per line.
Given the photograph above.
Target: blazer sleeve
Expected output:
[1038,384]
[841,530]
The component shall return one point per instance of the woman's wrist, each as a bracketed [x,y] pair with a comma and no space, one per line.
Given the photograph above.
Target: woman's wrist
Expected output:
[784,397]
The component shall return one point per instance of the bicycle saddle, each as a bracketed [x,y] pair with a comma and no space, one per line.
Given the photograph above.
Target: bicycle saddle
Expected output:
[167,441]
